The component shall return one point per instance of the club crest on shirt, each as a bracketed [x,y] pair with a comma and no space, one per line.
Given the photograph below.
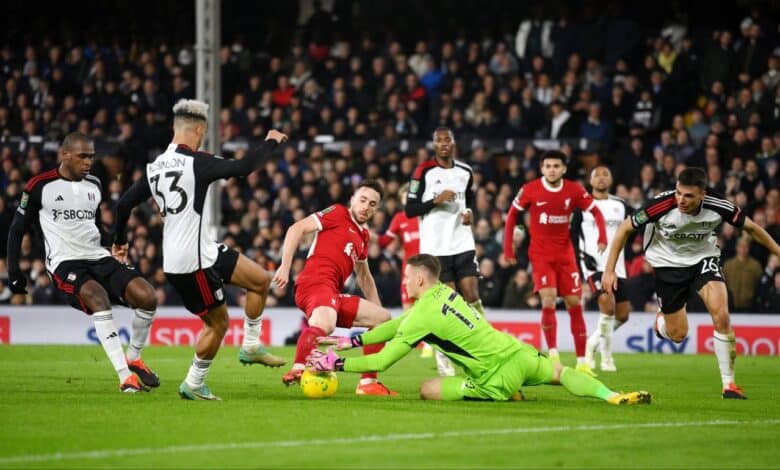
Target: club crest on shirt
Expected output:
[71,277]
[414,186]
[24,201]
[219,294]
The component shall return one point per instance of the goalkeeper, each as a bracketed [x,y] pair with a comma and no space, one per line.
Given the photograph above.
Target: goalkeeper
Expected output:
[496,364]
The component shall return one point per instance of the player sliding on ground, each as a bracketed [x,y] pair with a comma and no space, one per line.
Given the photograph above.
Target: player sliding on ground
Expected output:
[496,364]
[681,246]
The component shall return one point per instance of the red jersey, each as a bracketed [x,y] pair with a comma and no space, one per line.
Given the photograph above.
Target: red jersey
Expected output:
[550,210]
[339,243]
[408,230]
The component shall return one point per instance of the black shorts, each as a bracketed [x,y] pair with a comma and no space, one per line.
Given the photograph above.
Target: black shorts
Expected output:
[456,267]
[594,281]
[112,275]
[675,285]
[203,290]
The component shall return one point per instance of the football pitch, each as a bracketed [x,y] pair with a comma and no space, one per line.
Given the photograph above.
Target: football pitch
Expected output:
[61,408]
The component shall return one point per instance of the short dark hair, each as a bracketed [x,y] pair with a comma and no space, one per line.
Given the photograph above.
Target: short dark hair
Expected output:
[70,140]
[693,176]
[443,129]
[373,184]
[554,155]
[429,262]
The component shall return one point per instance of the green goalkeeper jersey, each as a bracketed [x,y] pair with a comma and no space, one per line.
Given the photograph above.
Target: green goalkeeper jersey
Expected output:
[443,319]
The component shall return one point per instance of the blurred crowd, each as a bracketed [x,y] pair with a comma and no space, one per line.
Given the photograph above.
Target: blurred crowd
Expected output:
[653,100]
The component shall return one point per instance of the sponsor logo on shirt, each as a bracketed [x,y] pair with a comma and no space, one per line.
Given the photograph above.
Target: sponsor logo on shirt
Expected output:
[73,214]
[545,218]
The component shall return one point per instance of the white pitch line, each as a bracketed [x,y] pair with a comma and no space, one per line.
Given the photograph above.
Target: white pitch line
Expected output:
[110,453]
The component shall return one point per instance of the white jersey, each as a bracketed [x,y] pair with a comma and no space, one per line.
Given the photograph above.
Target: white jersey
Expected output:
[674,239]
[615,211]
[180,180]
[68,213]
[442,232]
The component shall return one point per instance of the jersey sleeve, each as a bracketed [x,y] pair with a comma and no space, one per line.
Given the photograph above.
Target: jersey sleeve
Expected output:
[582,198]
[523,198]
[392,231]
[415,206]
[137,193]
[328,218]
[654,209]
[209,168]
[727,210]
[26,212]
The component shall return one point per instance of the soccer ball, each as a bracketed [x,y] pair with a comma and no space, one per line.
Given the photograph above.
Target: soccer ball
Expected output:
[319,384]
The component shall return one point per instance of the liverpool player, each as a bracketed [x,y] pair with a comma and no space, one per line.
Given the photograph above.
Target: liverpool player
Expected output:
[66,203]
[550,201]
[340,247]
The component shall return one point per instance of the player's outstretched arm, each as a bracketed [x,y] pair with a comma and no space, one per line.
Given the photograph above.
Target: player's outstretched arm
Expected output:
[291,241]
[609,278]
[365,281]
[761,236]
[379,362]
[136,194]
[17,281]
[379,334]
[212,168]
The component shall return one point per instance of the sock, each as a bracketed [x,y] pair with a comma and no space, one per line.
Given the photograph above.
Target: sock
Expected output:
[142,322]
[549,327]
[726,351]
[477,305]
[368,377]
[605,329]
[581,360]
[198,371]
[578,330]
[552,352]
[306,342]
[583,385]
[109,338]
[252,327]
[660,327]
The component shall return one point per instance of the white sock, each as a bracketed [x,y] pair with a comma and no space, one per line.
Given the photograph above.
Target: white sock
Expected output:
[252,329]
[726,351]
[552,352]
[198,371]
[606,326]
[443,364]
[368,381]
[660,325]
[109,338]
[581,360]
[142,322]
[298,366]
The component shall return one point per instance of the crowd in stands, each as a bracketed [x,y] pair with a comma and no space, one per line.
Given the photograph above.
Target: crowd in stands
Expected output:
[653,100]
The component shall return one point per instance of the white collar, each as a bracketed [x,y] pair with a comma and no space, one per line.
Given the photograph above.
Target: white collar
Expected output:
[550,188]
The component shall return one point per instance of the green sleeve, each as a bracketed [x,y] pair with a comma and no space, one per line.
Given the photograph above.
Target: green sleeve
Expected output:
[382,333]
[392,353]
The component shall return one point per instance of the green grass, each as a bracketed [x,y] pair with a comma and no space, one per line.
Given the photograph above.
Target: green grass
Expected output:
[65,400]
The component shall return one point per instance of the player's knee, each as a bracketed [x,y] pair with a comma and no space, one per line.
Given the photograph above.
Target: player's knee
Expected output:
[677,335]
[325,319]
[219,322]
[721,322]
[261,284]
[95,297]
[148,299]
[429,390]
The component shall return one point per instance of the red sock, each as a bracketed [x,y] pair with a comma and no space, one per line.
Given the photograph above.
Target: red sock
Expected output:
[578,329]
[306,342]
[550,327]
[371,349]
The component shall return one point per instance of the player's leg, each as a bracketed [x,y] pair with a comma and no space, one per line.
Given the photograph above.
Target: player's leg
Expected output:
[545,285]
[139,295]
[715,298]
[319,304]
[355,311]
[215,325]
[582,384]
[251,276]
[467,279]
[622,310]
[95,299]
[673,287]
[570,288]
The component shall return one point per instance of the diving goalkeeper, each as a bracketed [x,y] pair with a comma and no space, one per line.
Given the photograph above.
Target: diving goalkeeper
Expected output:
[496,364]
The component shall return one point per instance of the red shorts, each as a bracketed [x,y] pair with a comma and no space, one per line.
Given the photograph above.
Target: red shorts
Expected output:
[310,296]
[560,273]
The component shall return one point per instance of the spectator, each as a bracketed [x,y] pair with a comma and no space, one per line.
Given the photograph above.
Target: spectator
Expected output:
[742,275]
[519,293]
